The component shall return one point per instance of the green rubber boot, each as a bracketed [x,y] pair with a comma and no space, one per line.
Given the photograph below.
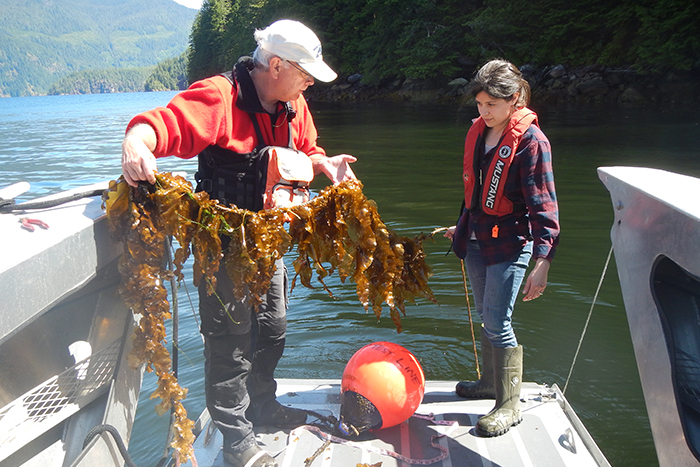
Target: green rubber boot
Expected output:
[482,388]
[508,363]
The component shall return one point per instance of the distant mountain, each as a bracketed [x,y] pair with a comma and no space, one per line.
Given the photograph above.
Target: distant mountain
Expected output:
[43,40]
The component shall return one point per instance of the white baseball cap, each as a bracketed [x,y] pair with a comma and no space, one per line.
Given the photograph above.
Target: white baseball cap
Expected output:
[291,40]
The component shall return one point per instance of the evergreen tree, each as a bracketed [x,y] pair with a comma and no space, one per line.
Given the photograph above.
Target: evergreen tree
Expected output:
[207,54]
[169,75]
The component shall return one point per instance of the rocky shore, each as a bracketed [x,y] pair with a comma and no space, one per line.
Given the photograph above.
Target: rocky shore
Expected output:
[550,85]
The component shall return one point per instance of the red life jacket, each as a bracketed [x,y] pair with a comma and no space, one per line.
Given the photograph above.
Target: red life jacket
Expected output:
[493,202]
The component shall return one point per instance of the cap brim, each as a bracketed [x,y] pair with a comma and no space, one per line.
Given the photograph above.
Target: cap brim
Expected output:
[320,71]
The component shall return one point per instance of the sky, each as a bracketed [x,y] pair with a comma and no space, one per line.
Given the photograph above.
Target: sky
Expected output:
[194,4]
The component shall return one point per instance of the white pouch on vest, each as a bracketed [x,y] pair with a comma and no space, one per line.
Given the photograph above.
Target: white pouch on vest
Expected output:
[289,173]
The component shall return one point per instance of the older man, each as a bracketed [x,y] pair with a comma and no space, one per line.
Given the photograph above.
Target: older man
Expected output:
[226,120]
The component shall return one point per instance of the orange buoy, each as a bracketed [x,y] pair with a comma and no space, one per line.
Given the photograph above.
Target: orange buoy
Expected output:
[382,386]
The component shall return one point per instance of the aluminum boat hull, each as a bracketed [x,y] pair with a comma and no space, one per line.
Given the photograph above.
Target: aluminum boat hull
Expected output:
[64,337]
[656,239]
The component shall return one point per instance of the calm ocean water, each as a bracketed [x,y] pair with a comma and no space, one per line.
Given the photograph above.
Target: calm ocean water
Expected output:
[409,161]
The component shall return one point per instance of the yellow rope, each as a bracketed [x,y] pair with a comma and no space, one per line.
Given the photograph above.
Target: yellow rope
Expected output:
[471,323]
[469,310]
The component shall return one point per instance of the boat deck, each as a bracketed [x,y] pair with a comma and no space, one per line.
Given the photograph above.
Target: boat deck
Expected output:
[550,434]
[64,335]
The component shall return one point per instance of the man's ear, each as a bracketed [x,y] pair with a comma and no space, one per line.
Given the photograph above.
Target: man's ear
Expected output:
[276,65]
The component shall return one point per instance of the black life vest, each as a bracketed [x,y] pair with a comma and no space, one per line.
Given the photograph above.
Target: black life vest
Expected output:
[235,178]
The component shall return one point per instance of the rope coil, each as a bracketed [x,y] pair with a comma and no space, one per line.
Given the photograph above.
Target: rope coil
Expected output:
[328,438]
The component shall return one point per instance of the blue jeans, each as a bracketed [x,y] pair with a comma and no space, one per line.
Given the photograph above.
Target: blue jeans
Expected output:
[495,289]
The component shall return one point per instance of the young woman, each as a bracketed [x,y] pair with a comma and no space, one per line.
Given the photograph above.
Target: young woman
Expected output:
[510,215]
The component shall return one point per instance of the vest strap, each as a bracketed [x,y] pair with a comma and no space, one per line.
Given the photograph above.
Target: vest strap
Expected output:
[486,189]
[235,178]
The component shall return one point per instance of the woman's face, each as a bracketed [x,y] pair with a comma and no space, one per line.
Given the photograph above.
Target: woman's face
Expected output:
[495,111]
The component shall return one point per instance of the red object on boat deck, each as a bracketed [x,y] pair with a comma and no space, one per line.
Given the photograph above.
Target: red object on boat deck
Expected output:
[28,224]
[382,386]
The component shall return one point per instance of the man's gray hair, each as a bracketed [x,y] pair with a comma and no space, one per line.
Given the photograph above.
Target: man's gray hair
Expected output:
[262,57]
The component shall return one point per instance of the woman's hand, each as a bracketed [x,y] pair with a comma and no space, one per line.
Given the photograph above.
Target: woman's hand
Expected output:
[537,280]
[450,232]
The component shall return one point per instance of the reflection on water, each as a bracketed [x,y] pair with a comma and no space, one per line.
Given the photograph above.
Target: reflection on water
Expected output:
[409,159]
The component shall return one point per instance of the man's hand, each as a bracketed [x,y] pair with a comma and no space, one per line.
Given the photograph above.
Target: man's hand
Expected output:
[336,168]
[537,280]
[138,161]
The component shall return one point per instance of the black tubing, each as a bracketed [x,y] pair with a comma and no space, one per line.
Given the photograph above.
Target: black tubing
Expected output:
[10,205]
[117,439]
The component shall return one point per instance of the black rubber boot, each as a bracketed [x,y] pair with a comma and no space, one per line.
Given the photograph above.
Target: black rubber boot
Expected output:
[275,414]
[482,388]
[254,456]
[508,364]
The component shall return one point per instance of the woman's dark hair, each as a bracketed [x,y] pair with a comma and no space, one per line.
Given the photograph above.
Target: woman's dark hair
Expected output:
[501,79]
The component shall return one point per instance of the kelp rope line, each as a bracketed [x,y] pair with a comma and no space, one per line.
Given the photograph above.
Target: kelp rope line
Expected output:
[143,267]
[339,230]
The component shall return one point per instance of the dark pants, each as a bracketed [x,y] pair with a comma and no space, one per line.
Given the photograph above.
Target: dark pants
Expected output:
[241,351]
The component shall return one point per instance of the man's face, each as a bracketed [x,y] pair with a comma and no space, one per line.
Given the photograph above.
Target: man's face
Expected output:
[294,80]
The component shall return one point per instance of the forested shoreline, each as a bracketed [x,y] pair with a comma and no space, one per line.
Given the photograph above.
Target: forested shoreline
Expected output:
[629,51]
[626,51]
[45,41]
[168,75]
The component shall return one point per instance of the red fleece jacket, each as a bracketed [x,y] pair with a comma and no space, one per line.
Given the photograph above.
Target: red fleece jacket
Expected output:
[205,115]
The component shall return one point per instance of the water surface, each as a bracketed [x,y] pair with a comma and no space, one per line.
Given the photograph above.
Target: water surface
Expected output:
[409,159]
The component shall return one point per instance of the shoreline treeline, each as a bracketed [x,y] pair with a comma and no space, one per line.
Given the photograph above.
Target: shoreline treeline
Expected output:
[628,51]
[382,40]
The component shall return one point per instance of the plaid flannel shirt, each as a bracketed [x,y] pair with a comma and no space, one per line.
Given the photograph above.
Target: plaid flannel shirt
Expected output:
[530,186]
